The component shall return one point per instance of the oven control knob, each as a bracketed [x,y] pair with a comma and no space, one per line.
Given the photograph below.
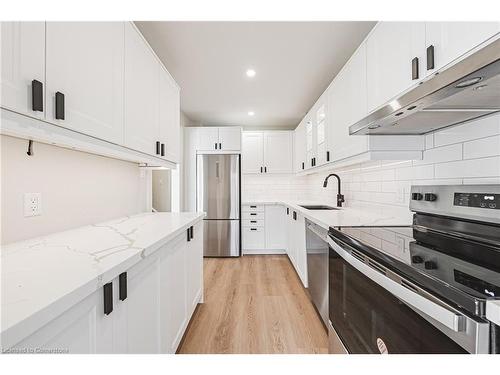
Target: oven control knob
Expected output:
[430,197]
[417,196]
[417,259]
[429,265]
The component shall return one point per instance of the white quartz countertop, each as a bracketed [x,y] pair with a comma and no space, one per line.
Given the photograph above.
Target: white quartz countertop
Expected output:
[369,215]
[43,277]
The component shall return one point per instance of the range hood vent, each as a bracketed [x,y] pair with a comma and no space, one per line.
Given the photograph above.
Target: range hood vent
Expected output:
[467,90]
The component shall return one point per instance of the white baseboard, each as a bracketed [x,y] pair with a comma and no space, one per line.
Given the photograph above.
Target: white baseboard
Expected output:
[263,251]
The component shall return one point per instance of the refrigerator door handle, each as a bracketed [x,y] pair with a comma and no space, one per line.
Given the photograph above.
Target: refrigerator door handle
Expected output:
[217,170]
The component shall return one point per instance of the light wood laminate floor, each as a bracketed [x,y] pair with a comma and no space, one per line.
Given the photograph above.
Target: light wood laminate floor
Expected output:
[254,304]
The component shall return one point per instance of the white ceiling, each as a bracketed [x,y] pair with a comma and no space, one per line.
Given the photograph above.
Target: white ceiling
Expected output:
[294,61]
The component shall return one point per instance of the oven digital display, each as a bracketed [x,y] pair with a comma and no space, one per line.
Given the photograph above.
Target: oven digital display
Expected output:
[480,200]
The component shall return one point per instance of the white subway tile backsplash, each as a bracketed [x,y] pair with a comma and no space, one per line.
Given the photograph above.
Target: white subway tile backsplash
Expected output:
[482,181]
[429,141]
[441,154]
[485,167]
[415,172]
[481,148]
[481,128]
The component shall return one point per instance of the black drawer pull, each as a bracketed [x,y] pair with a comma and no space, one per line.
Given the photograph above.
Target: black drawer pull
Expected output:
[253,214]
[163,149]
[253,221]
[59,106]
[108,298]
[430,57]
[192,232]
[253,229]
[36,96]
[122,281]
[188,232]
[253,206]
[158,145]
[414,68]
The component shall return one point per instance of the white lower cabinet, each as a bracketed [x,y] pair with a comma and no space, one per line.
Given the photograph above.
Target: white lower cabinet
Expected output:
[263,229]
[296,243]
[275,227]
[162,293]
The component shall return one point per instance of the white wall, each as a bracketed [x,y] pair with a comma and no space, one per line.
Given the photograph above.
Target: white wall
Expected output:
[162,190]
[465,154]
[77,188]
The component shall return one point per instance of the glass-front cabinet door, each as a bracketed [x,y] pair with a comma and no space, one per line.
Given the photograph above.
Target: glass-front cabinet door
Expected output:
[321,138]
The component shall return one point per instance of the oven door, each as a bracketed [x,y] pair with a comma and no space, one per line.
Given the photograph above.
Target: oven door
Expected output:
[368,318]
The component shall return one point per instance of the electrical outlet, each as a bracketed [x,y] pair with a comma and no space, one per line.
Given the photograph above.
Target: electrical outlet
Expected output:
[32,204]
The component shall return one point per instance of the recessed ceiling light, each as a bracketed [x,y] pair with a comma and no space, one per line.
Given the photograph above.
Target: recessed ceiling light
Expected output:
[251,113]
[250,73]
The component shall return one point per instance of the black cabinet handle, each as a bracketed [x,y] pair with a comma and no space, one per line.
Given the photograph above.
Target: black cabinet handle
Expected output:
[294,215]
[192,232]
[287,211]
[163,149]
[414,68]
[220,146]
[59,106]
[265,169]
[430,57]
[303,165]
[122,283]
[188,232]
[108,298]
[216,145]
[157,147]
[328,156]
[253,221]
[37,95]
[253,206]
[253,228]
[253,214]
[261,169]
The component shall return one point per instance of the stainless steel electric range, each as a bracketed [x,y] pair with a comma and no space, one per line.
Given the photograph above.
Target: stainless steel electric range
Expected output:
[428,288]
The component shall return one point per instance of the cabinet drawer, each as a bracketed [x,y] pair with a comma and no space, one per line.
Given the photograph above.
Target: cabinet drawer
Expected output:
[253,208]
[252,223]
[253,216]
[253,238]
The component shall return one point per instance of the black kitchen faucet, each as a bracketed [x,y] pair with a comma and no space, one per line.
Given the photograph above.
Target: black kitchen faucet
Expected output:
[340,197]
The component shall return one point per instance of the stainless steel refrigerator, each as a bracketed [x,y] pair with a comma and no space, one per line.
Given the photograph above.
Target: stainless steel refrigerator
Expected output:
[218,194]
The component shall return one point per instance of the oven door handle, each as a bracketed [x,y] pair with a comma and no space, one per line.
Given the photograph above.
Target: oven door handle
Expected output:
[444,315]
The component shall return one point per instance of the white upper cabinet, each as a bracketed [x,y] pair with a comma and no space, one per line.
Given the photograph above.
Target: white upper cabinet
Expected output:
[347,104]
[212,138]
[141,94]
[169,122]
[391,49]
[320,121]
[450,40]
[230,138]
[299,147]
[278,152]
[22,62]
[84,62]
[267,152]
[252,152]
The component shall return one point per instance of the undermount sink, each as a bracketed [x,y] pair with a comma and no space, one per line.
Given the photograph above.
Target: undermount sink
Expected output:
[318,207]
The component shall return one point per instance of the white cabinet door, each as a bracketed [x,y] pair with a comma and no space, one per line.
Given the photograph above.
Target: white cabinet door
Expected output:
[310,144]
[84,61]
[275,227]
[141,94]
[452,39]
[300,248]
[169,118]
[320,122]
[80,330]
[347,104]
[208,139]
[230,138]
[140,312]
[390,50]
[194,269]
[173,293]
[252,152]
[22,61]
[278,156]
[299,147]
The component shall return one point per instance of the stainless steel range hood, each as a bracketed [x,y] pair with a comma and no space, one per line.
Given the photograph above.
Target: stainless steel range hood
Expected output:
[467,90]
